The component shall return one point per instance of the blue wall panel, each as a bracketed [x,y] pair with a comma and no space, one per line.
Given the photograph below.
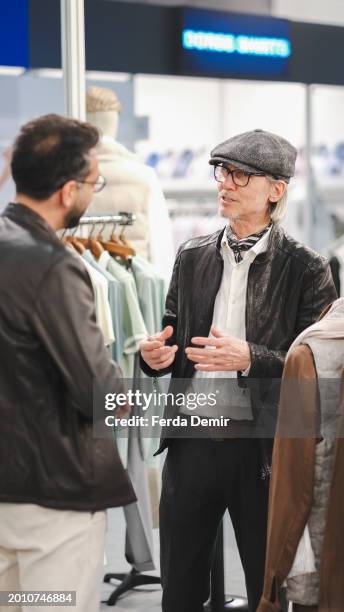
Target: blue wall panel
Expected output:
[14,33]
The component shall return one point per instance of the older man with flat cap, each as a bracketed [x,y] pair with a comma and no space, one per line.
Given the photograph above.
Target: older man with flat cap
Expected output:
[237,300]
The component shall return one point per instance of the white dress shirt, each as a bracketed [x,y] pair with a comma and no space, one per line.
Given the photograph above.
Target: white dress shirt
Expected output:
[229,318]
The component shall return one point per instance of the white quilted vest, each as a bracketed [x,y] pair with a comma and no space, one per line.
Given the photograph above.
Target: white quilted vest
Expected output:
[128,189]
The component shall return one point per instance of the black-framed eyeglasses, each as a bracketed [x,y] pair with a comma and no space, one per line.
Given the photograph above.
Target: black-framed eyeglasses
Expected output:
[240,178]
[98,185]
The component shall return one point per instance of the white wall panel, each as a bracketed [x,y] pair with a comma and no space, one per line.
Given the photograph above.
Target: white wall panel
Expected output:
[328,115]
[276,107]
[192,112]
[330,12]
[183,112]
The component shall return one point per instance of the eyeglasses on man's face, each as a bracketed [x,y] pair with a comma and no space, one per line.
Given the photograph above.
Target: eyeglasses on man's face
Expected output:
[98,185]
[240,178]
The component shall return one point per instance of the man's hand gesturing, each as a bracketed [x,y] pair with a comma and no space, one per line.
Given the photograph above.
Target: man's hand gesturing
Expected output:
[155,353]
[219,353]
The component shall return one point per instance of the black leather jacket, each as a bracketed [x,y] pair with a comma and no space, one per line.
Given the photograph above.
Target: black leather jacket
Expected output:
[288,287]
[51,353]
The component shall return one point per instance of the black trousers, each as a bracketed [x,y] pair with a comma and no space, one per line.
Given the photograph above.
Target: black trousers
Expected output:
[201,479]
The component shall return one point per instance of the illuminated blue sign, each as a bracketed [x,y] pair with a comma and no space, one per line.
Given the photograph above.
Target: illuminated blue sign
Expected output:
[229,43]
[216,43]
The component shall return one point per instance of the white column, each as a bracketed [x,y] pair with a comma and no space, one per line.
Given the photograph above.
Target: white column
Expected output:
[308,214]
[73,57]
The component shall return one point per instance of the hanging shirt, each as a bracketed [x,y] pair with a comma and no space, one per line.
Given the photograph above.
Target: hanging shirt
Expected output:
[115,298]
[151,290]
[133,324]
[103,312]
[100,290]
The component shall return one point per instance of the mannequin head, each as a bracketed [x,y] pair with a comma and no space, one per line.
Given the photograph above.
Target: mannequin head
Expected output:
[103,108]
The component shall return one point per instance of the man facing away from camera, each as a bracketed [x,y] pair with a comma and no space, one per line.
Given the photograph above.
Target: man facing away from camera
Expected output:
[56,480]
[237,300]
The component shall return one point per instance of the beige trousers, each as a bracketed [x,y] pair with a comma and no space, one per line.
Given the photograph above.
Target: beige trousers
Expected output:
[42,549]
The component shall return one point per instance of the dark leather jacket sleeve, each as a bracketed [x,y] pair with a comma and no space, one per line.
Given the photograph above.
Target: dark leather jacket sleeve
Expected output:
[67,328]
[318,292]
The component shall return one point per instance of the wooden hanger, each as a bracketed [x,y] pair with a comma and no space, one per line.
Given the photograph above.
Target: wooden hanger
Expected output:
[90,243]
[76,243]
[117,247]
[96,247]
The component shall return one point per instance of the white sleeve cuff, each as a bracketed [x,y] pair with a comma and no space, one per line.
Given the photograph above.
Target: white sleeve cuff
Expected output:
[247,371]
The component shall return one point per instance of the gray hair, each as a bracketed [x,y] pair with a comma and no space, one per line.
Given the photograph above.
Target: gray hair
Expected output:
[278,209]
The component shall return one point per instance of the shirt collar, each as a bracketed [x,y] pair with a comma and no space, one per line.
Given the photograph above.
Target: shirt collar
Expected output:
[104,259]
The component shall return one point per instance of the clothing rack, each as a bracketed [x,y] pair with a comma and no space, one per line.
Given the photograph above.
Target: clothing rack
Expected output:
[127,581]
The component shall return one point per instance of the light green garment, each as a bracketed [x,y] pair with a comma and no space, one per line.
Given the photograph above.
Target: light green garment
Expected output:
[103,313]
[134,331]
[100,291]
[133,324]
[116,305]
[151,290]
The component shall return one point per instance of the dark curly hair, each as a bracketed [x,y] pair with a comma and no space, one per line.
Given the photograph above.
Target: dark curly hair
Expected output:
[48,152]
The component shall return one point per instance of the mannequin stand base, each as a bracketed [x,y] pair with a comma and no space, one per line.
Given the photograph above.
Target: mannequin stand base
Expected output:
[127,583]
[233,603]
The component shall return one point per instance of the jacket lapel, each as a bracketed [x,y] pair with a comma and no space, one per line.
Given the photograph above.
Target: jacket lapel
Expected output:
[211,265]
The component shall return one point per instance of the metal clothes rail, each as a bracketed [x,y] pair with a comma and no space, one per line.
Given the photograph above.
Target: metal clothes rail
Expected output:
[121,218]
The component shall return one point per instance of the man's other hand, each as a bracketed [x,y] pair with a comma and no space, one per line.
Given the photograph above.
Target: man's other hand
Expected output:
[155,352]
[219,353]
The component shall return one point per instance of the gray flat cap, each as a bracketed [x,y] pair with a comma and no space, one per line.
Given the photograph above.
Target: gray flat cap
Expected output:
[258,151]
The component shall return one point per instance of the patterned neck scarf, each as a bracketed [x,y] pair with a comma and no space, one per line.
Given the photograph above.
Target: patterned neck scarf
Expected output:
[244,244]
